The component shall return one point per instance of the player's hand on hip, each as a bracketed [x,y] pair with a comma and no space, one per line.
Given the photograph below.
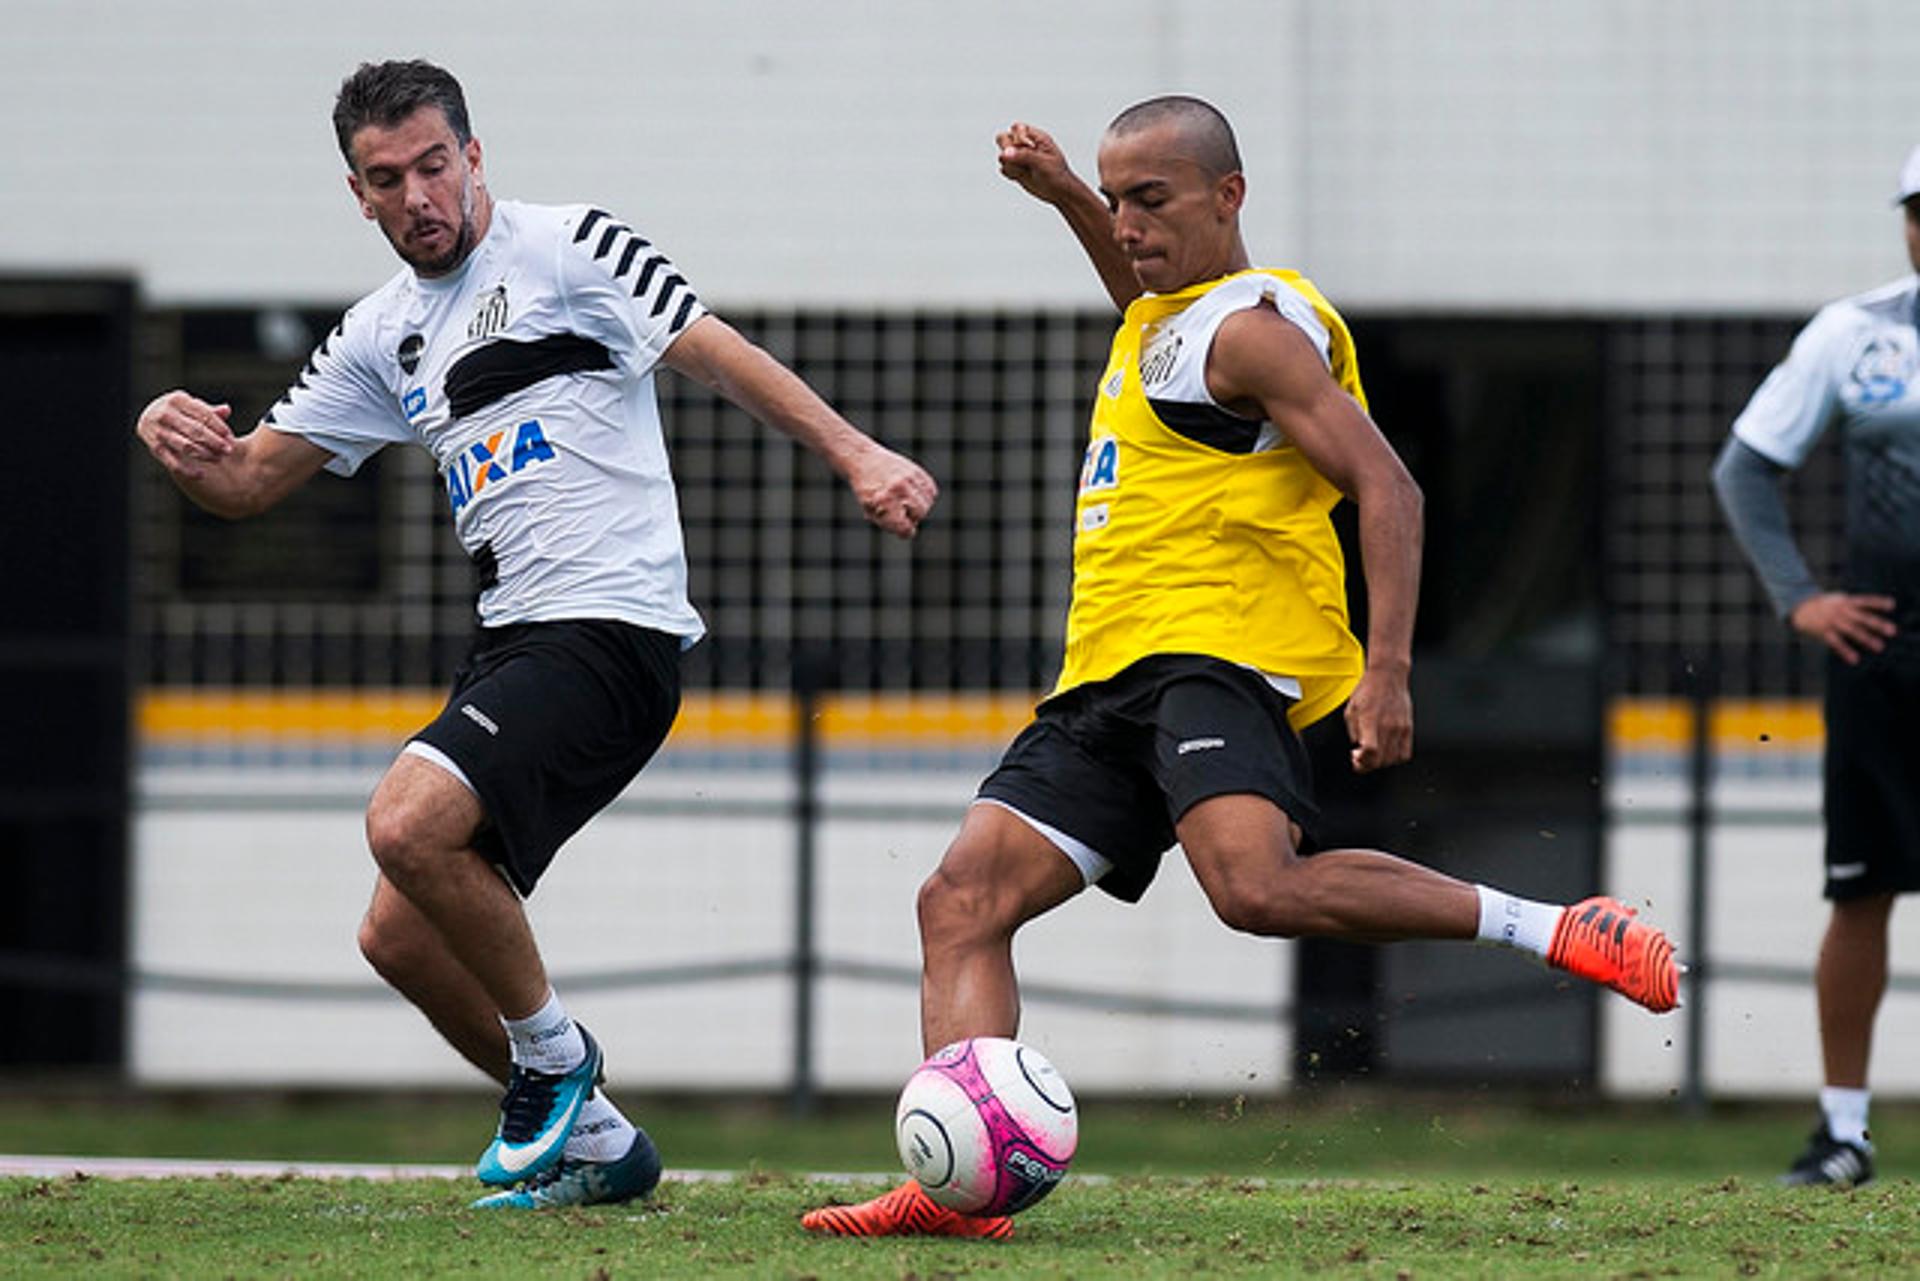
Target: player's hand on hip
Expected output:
[185,433]
[1380,721]
[1030,157]
[895,492]
[1851,625]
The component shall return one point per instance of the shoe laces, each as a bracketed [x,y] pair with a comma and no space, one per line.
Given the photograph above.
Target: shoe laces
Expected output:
[528,1104]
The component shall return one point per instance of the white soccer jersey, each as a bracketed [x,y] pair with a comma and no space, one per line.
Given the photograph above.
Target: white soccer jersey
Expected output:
[528,375]
[1857,360]
[1856,365]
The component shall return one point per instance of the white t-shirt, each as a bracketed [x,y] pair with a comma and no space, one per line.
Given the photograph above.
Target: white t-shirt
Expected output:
[1857,360]
[528,375]
[1856,366]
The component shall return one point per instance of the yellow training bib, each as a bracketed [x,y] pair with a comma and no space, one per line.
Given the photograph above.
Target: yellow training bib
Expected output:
[1198,531]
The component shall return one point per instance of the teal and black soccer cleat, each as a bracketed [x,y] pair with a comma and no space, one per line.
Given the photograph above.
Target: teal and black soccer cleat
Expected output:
[536,1116]
[577,1182]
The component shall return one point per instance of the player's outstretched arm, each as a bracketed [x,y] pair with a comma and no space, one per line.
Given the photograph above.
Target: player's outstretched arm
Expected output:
[1030,157]
[895,492]
[1262,363]
[228,475]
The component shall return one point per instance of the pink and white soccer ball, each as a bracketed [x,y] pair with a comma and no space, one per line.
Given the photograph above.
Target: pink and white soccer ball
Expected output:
[986,1126]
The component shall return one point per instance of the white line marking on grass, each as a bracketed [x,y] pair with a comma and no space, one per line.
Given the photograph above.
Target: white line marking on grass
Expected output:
[121,1167]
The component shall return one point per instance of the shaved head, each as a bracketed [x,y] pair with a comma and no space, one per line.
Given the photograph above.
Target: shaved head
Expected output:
[1205,136]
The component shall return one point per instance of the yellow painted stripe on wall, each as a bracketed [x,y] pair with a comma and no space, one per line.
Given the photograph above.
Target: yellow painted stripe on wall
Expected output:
[1738,725]
[719,719]
[309,715]
[744,719]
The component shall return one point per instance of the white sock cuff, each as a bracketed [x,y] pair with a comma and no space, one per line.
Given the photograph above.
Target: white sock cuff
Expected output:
[1507,920]
[545,1039]
[1846,1112]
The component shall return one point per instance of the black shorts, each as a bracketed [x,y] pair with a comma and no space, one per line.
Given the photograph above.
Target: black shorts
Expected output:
[1872,778]
[550,722]
[1116,763]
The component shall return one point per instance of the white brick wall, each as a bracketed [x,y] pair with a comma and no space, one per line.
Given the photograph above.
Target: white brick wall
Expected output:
[1585,154]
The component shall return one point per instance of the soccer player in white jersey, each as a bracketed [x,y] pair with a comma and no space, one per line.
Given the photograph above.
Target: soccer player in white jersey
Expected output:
[1855,367]
[517,345]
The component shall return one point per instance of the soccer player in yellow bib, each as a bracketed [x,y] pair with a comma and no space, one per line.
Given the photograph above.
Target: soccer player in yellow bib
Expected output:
[1208,624]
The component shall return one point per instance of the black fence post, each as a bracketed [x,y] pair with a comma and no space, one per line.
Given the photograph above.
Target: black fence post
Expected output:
[66,675]
[812,675]
[1700,686]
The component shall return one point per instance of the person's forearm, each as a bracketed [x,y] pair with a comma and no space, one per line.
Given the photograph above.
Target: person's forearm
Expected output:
[778,397]
[1390,547]
[1092,225]
[1748,486]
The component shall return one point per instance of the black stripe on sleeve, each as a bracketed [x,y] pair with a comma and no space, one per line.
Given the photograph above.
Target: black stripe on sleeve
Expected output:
[652,265]
[667,288]
[588,223]
[627,255]
[607,238]
[687,305]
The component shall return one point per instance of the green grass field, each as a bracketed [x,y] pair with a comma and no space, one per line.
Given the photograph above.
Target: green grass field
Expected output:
[1334,1183]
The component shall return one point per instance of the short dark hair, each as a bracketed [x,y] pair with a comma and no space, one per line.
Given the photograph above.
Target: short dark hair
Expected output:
[1201,125]
[385,93]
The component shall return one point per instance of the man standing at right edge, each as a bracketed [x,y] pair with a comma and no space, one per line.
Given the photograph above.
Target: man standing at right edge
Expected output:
[1855,365]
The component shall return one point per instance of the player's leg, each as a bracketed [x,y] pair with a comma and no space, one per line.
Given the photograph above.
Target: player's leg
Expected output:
[1871,801]
[1009,863]
[605,1153]
[1850,979]
[547,724]
[999,873]
[1237,780]
[409,952]
[1243,852]
[421,827]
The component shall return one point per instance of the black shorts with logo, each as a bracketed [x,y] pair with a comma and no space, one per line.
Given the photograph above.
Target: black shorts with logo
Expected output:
[1873,777]
[550,722]
[1116,763]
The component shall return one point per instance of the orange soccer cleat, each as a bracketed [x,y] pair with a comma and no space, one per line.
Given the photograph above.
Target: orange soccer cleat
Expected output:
[1602,939]
[907,1211]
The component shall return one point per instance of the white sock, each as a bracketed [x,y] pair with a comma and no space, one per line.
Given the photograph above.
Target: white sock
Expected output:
[602,1133]
[546,1040]
[1507,920]
[1846,1113]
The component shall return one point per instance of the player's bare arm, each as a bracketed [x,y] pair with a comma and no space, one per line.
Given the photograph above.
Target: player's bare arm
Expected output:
[1261,363]
[1848,623]
[895,492]
[228,475]
[1030,157]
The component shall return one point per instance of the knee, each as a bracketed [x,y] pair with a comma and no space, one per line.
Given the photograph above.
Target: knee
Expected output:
[396,840]
[1260,898]
[1254,913]
[393,952]
[956,907]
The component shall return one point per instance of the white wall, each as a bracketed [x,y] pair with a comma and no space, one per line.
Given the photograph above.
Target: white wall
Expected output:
[230,890]
[1583,154]
[1764,910]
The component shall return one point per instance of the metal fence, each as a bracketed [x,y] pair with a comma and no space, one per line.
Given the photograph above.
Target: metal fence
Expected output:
[362,585]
